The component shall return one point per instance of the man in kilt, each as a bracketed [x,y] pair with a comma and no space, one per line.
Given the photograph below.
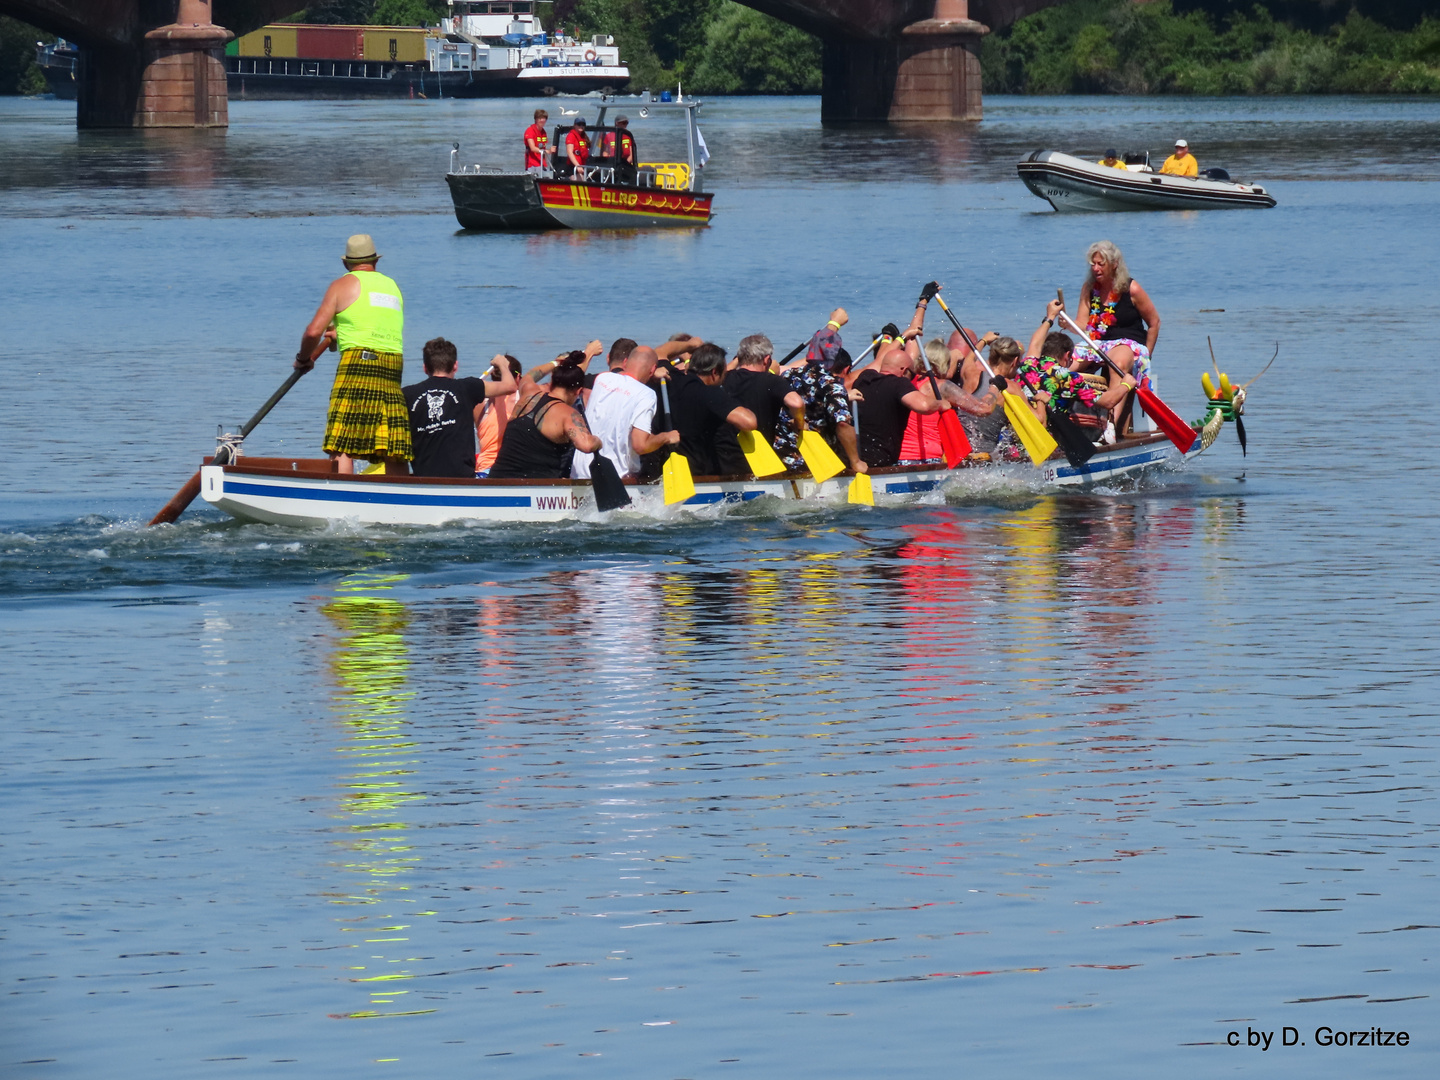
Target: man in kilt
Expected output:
[364,315]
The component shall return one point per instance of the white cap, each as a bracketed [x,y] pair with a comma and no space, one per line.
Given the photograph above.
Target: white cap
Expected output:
[1182,142]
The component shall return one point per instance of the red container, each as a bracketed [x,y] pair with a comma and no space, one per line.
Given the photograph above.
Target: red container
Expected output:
[330,42]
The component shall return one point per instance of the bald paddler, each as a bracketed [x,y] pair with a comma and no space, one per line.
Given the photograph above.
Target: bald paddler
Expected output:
[364,314]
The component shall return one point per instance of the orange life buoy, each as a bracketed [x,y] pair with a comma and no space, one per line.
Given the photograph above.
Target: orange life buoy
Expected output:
[590,55]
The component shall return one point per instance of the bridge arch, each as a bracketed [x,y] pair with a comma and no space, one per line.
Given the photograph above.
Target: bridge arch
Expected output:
[157,63]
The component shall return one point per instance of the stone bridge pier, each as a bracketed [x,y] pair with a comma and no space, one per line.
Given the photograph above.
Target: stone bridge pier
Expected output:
[148,63]
[900,60]
[929,71]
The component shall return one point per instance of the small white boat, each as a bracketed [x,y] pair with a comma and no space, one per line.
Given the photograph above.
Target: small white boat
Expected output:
[1071,183]
[305,492]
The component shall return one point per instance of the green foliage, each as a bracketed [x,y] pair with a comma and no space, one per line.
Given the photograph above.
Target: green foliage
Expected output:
[339,12]
[750,53]
[1117,46]
[18,73]
[408,13]
[710,46]
[678,28]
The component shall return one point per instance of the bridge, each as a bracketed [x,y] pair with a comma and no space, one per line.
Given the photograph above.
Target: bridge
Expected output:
[158,63]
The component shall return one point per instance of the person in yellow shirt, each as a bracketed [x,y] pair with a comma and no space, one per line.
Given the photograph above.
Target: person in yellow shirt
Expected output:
[1182,162]
[1112,159]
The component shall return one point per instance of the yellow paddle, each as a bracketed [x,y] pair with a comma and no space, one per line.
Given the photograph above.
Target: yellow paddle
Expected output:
[677,482]
[862,491]
[760,454]
[1038,442]
[819,458]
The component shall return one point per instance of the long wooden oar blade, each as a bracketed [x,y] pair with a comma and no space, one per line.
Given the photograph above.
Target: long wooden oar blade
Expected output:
[819,458]
[679,484]
[1180,433]
[954,443]
[176,506]
[186,495]
[610,493]
[759,453]
[1038,442]
[862,491]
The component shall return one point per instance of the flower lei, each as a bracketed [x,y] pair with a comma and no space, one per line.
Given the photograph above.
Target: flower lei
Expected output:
[1102,317]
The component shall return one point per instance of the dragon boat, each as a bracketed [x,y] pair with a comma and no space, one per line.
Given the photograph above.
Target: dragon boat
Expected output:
[308,492]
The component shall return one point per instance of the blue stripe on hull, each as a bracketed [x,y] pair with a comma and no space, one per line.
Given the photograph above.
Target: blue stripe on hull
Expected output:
[911,487]
[1111,464]
[708,498]
[388,498]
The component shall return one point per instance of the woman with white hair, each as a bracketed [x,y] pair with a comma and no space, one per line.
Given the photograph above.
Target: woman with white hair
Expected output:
[1119,316]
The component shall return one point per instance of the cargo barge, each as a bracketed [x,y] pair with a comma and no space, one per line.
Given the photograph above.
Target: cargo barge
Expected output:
[486,48]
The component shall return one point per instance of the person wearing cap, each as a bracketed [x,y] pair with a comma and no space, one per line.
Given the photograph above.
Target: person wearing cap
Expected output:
[1180,163]
[577,147]
[537,144]
[363,314]
[1112,159]
[625,160]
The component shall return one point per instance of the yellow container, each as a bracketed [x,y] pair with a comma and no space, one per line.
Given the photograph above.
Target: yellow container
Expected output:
[400,44]
[277,41]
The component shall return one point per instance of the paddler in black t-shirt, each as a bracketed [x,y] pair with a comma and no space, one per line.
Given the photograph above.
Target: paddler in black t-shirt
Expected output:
[443,411]
[759,389]
[887,399]
[707,417]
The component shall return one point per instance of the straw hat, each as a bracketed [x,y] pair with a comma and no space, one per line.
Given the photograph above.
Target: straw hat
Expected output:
[360,248]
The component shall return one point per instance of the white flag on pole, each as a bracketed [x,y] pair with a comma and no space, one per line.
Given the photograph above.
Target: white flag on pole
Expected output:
[704,150]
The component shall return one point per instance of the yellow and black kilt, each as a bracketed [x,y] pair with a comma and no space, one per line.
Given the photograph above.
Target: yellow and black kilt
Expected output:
[367,417]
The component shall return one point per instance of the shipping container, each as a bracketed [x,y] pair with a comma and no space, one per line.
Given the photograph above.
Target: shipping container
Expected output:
[277,41]
[401,44]
[330,42]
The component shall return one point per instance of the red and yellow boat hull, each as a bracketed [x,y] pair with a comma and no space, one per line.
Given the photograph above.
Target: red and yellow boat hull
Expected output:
[602,206]
[491,201]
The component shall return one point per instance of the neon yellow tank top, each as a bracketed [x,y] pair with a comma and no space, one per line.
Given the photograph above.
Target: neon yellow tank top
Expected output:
[376,320]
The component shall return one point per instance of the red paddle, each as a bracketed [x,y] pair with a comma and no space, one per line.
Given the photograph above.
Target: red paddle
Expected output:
[1178,431]
[953,442]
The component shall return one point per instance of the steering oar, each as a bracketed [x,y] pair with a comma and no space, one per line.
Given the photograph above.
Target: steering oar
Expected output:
[224,453]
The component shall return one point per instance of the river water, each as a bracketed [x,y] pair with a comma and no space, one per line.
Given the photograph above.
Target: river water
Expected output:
[1002,781]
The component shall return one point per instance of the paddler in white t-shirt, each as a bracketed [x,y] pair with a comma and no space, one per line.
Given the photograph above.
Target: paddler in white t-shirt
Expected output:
[619,413]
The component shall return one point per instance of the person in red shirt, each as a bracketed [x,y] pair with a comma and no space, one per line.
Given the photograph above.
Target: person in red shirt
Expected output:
[537,143]
[577,146]
[624,151]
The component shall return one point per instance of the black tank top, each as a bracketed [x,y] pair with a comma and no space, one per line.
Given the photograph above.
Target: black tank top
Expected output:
[1128,323]
[525,452]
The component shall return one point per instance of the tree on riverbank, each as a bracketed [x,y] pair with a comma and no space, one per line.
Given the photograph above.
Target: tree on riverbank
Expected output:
[710,46]
[1122,47]
[18,73]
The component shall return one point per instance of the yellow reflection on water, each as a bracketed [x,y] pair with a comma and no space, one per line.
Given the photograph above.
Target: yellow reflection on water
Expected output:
[370,663]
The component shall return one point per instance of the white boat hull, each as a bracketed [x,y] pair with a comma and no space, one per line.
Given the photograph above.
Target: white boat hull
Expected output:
[1072,184]
[283,491]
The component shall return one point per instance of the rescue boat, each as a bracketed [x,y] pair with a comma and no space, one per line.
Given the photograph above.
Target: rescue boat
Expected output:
[1071,183]
[662,194]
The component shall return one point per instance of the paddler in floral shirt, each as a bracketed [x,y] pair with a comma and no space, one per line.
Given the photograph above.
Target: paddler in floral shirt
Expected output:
[1049,383]
[827,404]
